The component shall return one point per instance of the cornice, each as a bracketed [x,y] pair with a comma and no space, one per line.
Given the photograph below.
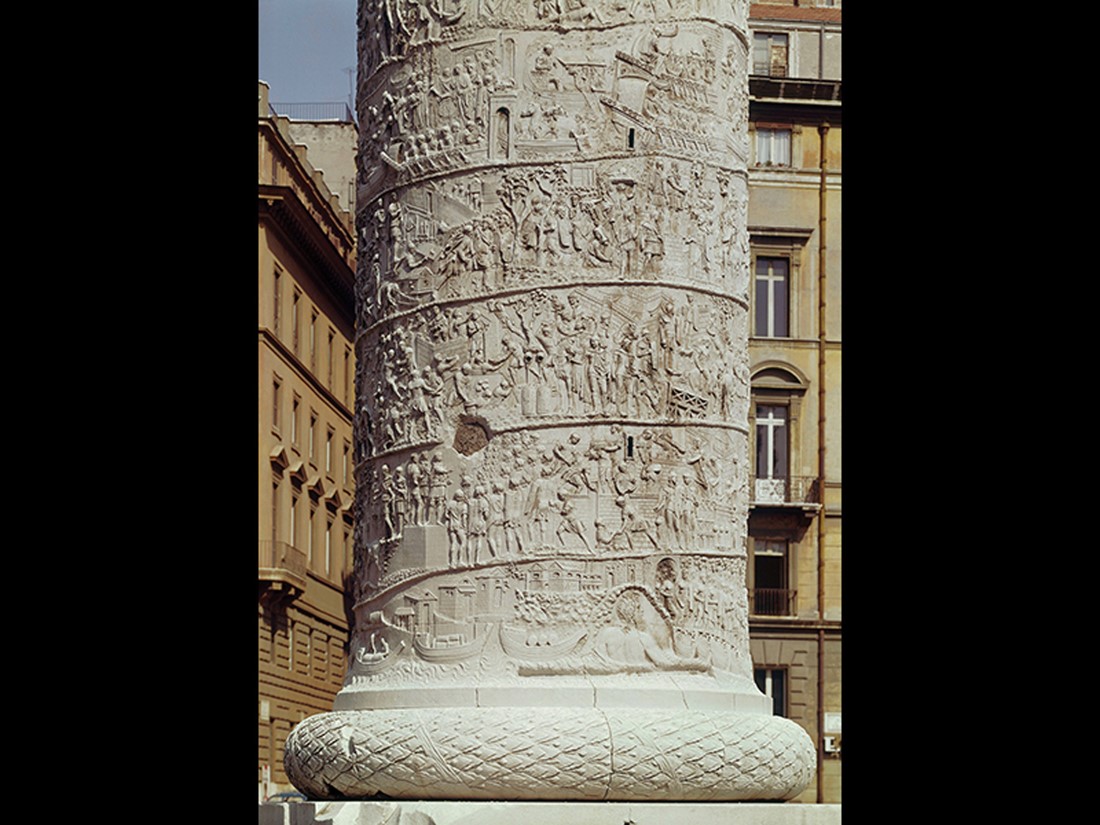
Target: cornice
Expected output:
[796,100]
[794,179]
[759,342]
[295,158]
[282,206]
[784,624]
[767,11]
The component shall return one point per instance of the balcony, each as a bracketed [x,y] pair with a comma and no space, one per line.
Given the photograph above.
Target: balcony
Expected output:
[791,490]
[765,85]
[771,601]
[282,571]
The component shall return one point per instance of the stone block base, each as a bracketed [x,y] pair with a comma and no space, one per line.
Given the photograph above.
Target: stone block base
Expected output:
[549,753]
[421,546]
[548,813]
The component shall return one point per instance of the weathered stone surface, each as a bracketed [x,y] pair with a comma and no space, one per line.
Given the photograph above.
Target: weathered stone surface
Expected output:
[552,413]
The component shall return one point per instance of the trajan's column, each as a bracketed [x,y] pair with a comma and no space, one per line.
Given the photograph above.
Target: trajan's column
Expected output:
[552,412]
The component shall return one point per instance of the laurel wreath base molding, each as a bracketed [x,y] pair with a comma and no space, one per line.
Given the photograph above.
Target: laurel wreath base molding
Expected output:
[517,753]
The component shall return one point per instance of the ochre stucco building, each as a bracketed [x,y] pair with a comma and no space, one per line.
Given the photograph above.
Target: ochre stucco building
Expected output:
[306,303]
[794,226]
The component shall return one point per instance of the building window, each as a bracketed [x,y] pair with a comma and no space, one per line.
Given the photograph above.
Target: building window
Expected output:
[771,593]
[294,412]
[773,684]
[309,538]
[276,400]
[313,341]
[347,376]
[313,437]
[772,298]
[278,298]
[294,520]
[347,451]
[331,354]
[771,443]
[328,451]
[773,147]
[295,319]
[769,54]
[275,510]
[328,548]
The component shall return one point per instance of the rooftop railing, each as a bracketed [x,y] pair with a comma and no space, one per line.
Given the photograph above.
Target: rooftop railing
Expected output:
[338,112]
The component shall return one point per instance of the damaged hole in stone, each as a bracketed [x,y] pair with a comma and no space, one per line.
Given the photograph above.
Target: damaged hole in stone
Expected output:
[470,436]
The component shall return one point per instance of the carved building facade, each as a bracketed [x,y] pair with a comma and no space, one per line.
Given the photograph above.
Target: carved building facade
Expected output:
[305,461]
[794,545]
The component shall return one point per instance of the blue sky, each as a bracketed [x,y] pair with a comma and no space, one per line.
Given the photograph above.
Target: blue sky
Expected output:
[304,47]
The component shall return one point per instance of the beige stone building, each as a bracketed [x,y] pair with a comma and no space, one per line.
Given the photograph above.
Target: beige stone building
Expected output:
[305,292]
[795,362]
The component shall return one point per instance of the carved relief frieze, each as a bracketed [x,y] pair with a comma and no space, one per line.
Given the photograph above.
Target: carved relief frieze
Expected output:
[592,493]
[470,236]
[528,95]
[551,355]
[549,617]
[552,452]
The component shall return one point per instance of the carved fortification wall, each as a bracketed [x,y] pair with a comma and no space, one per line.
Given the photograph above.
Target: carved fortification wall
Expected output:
[552,411]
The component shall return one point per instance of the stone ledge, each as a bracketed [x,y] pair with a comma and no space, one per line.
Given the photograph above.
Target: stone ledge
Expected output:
[548,813]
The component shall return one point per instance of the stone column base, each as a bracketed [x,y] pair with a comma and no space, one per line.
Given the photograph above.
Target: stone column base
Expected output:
[547,813]
[549,753]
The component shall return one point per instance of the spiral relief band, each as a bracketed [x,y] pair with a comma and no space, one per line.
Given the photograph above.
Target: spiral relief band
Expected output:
[552,440]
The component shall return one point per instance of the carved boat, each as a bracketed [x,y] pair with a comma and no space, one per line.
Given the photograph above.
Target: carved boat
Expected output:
[369,664]
[443,655]
[514,642]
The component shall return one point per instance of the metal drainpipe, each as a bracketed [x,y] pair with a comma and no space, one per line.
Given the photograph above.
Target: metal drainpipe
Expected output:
[823,131]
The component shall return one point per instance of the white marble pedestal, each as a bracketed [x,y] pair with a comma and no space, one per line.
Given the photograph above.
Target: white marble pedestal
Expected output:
[548,813]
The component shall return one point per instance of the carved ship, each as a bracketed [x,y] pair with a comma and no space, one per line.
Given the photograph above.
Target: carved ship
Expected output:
[514,642]
[443,655]
[369,664]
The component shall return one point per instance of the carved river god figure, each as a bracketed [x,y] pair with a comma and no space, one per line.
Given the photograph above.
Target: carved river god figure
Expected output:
[552,447]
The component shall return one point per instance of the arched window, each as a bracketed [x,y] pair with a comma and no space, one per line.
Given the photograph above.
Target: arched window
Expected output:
[774,414]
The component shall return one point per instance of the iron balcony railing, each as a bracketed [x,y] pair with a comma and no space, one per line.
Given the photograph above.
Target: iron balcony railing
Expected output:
[339,111]
[787,490]
[772,601]
[279,560]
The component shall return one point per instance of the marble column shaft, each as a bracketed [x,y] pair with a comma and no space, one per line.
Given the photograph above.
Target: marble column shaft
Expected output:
[551,426]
